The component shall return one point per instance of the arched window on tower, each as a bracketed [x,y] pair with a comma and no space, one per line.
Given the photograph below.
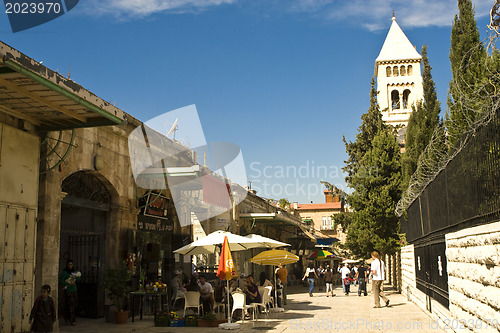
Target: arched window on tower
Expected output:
[388,71]
[410,70]
[402,70]
[406,96]
[395,71]
[395,99]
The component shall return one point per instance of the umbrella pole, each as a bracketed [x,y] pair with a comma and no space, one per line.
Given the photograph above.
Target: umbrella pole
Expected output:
[228,305]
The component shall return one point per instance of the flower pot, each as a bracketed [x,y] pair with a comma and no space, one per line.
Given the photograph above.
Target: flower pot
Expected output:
[121,317]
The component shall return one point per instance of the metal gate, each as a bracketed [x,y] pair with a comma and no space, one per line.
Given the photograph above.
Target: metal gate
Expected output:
[17,249]
[431,271]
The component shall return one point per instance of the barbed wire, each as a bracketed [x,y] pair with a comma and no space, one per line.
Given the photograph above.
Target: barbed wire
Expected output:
[475,105]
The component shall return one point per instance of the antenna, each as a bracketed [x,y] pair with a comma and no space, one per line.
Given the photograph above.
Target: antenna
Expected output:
[173,128]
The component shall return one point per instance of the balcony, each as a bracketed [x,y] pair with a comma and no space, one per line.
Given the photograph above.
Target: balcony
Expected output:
[327,227]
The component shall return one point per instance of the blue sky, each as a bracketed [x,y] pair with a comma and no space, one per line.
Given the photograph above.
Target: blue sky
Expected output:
[283,79]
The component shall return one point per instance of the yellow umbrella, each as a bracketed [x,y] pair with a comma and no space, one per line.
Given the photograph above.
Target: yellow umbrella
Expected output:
[275,257]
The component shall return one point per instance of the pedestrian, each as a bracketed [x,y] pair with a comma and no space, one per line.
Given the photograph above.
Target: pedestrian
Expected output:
[329,281]
[321,275]
[378,277]
[282,275]
[310,274]
[43,313]
[345,271]
[69,278]
[361,277]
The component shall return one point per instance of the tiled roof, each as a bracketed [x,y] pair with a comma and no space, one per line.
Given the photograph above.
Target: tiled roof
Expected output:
[320,206]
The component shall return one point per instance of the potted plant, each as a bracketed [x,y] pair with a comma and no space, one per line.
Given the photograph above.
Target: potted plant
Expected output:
[116,283]
[210,320]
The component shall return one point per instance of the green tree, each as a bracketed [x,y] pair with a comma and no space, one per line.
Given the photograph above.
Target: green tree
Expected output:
[374,224]
[422,123]
[284,204]
[467,57]
[371,124]
[374,172]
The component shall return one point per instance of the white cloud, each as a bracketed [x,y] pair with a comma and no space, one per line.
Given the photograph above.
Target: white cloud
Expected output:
[370,14]
[374,14]
[143,8]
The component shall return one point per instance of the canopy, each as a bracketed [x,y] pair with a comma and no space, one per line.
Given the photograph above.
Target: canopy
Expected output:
[208,244]
[320,255]
[265,241]
[349,261]
[274,257]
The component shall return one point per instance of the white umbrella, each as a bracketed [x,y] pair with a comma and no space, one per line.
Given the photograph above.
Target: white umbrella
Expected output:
[265,241]
[349,261]
[208,244]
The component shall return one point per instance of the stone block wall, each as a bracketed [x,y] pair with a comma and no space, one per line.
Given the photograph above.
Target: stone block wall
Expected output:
[473,257]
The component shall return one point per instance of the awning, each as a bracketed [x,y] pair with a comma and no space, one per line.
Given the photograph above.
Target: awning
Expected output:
[308,234]
[327,241]
[47,99]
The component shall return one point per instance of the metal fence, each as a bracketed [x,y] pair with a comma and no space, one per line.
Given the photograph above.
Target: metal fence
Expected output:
[465,193]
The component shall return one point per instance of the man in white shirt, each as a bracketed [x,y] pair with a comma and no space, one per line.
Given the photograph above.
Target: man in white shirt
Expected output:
[206,294]
[345,271]
[378,277]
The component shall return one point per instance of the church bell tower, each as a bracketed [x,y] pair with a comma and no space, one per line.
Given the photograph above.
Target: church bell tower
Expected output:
[399,80]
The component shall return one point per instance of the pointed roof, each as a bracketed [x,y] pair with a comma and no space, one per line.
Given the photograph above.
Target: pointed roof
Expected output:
[397,46]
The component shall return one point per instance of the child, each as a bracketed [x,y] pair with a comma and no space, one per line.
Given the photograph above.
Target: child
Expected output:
[43,314]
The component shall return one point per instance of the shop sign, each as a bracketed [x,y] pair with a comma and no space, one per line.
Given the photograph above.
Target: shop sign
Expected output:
[154,225]
[156,206]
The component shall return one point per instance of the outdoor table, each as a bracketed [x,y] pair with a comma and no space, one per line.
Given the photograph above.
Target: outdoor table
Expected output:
[142,296]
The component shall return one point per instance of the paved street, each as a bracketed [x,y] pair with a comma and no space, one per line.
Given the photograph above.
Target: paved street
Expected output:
[304,314]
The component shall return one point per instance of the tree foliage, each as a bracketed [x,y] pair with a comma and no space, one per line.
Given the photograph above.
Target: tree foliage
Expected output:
[422,123]
[468,66]
[374,172]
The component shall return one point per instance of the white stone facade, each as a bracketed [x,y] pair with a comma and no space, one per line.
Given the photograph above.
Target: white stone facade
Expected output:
[473,256]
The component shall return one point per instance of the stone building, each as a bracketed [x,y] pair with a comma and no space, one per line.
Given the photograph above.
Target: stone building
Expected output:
[320,217]
[399,81]
[69,189]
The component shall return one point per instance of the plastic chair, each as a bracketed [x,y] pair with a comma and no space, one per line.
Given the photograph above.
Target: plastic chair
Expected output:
[192,300]
[239,302]
[218,305]
[265,299]
[178,296]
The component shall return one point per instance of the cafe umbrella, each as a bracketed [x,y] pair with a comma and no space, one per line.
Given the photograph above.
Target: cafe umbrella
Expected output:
[275,258]
[320,255]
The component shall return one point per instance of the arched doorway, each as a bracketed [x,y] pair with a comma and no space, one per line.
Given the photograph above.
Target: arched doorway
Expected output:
[84,214]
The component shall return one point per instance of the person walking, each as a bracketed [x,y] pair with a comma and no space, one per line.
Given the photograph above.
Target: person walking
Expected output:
[329,281]
[361,277]
[43,313]
[378,276]
[310,274]
[321,274]
[69,277]
[345,271]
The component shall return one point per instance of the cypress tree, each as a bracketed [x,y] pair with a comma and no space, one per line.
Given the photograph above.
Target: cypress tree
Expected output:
[467,57]
[422,123]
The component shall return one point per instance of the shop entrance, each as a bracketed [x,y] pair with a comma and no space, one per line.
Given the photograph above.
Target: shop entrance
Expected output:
[84,214]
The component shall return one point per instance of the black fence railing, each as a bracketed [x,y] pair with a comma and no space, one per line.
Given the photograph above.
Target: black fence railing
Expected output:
[465,193]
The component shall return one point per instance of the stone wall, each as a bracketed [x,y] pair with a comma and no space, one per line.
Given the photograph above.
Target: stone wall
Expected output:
[473,257]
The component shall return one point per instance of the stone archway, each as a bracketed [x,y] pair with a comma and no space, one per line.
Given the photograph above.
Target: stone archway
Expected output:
[85,213]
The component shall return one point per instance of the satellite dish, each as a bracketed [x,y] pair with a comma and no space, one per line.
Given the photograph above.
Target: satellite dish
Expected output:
[173,128]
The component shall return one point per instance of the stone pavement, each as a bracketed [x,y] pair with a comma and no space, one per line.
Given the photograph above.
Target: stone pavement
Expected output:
[303,314]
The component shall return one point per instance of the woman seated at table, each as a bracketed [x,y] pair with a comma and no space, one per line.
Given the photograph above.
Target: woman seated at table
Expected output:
[193,284]
[264,282]
[252,291]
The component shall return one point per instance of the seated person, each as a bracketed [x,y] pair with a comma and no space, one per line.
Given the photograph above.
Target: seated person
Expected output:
[193,284]
[206,294]
[263,281]
[252,291]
